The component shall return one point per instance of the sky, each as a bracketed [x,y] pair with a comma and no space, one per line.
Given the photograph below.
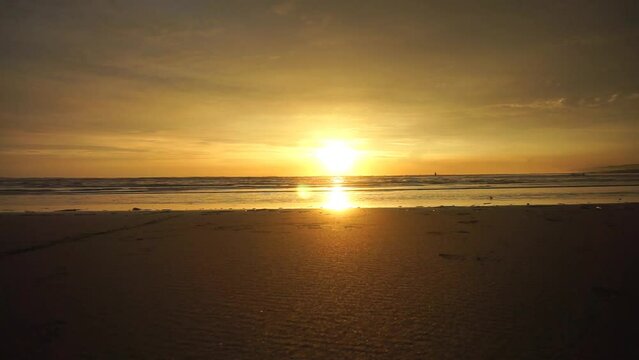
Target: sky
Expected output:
[253,88]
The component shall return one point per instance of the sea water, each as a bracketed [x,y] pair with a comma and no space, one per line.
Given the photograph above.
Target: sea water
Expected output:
[192,193]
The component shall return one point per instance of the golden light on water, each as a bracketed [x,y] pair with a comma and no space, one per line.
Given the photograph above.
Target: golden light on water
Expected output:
[337,157]
[304,192]
[337,199]
[334,198]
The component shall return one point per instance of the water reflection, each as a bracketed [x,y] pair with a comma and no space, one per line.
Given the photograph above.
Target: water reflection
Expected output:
[332,195]
[337,199]
[304,192]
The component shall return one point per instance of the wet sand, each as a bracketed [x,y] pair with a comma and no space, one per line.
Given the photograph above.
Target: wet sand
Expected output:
[532,282]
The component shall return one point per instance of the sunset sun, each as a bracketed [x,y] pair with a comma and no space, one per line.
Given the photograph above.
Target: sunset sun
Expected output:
[337,157]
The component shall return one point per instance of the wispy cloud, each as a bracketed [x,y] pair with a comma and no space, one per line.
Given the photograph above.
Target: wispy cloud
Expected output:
[537,104]
[284,7]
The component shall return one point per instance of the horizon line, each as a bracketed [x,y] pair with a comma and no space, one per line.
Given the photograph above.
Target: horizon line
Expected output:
[312,176]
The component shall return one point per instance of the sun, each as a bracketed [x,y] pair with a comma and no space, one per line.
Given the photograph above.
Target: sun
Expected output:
[337,157]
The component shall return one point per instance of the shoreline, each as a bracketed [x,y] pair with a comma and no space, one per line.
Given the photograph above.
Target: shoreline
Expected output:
[142,210]
[369,192]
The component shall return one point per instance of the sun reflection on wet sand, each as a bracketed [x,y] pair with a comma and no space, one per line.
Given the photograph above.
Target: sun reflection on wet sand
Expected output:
[337,199]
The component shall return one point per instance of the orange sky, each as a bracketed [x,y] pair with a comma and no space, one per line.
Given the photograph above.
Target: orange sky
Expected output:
[255,87]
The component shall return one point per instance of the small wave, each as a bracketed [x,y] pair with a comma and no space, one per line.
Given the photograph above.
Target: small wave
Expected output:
[48,186]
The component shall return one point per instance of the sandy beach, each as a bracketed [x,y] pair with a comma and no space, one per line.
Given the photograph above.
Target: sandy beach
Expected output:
[525,282]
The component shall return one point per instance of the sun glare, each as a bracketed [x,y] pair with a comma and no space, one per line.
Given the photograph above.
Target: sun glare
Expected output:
[337,157]
[337,199]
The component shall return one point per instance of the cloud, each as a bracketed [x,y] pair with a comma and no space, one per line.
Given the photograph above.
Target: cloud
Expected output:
[284,7]
[564,102]
[56,148]
[271,75]
[537,104]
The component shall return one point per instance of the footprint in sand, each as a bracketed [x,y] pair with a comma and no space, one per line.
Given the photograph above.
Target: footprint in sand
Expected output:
[48,331]
[59,273]
[607,293]
[467,221]
[487,259]
[452,256]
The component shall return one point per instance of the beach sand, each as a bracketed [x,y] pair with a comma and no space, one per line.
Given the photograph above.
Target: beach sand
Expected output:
[521,282]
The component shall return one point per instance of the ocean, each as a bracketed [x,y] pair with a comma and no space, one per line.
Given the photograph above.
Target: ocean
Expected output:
[194,193]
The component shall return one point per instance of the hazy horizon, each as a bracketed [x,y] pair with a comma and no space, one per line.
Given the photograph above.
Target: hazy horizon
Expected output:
[254,88]
[598,170]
